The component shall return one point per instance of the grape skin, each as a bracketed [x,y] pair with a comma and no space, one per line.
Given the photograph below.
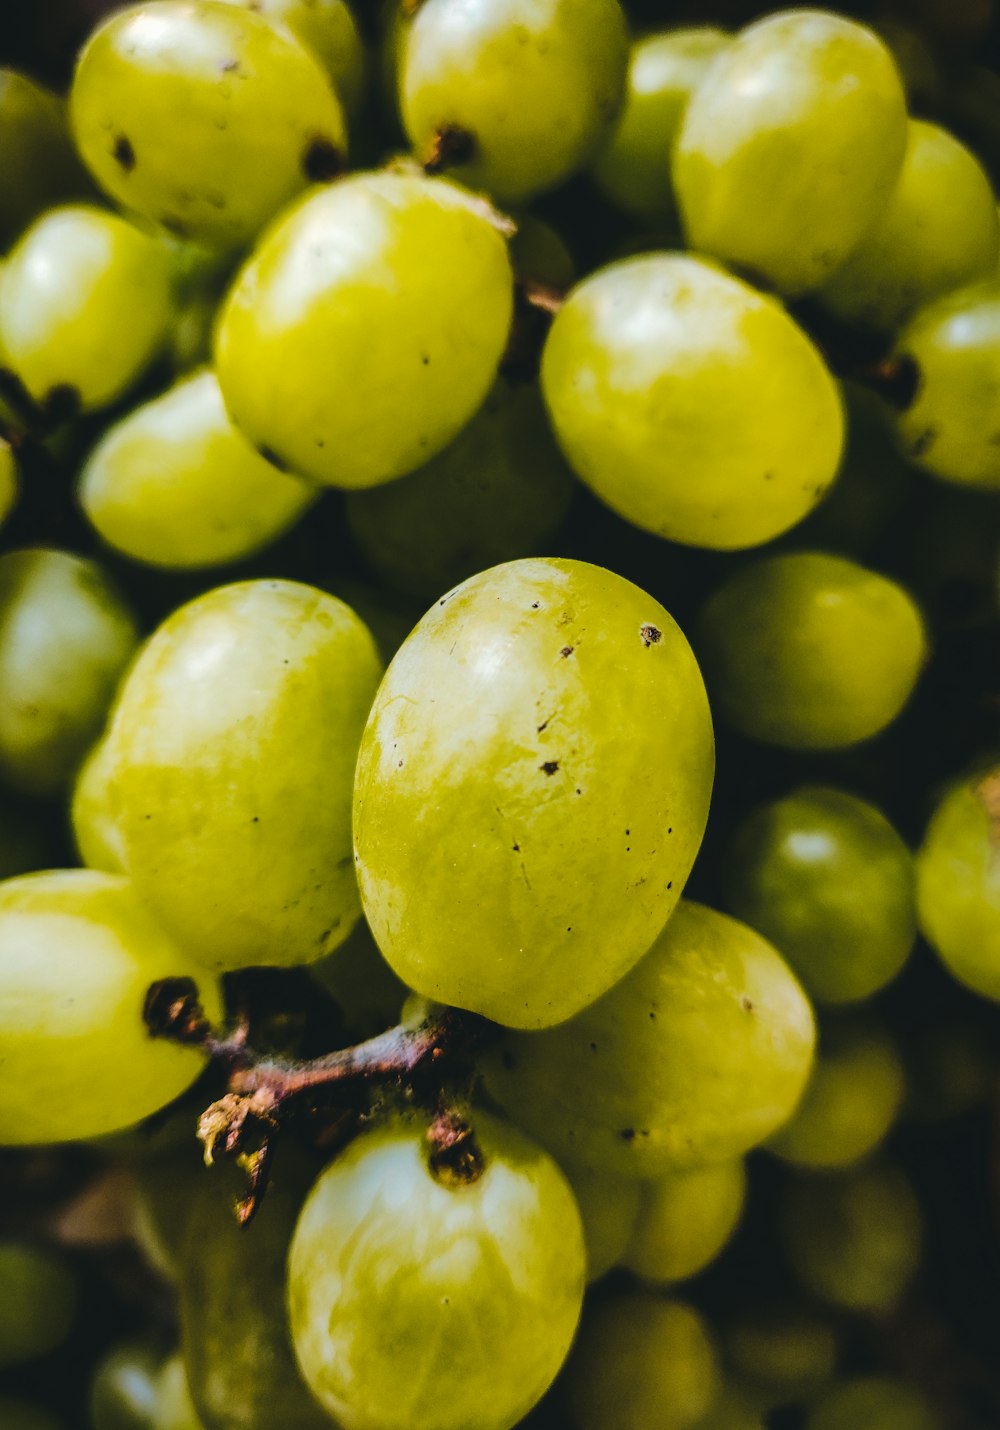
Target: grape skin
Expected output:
[685,1219]
[8,480]
[38,1301]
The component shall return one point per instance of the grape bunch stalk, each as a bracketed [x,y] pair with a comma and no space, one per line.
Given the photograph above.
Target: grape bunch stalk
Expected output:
[499,760]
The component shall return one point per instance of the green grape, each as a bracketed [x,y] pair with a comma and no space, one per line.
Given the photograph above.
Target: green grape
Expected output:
[632,168]
[40,165]
[937,231]
[175,484]
[125,1390]
[685,1219]
[357,977]
[952,426]
[234,740]
[733,1411]
[641,1362]
[94,813]
[175,1408]
[691,404]
[827,879]
[326,28]
[234,1326]
[435,1304]
[77,955]
[608,1206]
[810,651]
[204,118]
[698,1054]
[65,639]
[853,1237]
[20,1415]
[169,1180]
[958,883]
[496,492]
[8,480]
[533,84]
[531,790]
[789,146]
[781,1354]
[86,301]
[38,1301]
[874,1402]
[367,327]
[851,1101]
[538,252]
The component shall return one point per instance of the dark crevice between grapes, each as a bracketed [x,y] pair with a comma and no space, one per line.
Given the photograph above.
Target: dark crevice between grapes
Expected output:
[427,1064]
[450,145]
[323,162]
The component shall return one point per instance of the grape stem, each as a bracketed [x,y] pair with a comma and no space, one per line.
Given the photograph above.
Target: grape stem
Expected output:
[416,1059]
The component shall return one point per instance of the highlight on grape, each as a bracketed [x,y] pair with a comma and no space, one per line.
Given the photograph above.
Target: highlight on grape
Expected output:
[499,715]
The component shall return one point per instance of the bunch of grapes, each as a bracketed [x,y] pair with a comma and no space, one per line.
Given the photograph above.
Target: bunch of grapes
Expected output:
[435,437]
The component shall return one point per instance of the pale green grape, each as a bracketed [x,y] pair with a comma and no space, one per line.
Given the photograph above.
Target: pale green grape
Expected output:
[874,1402]
[204,118]
[125,1390]
[175,1408]
[789,146]
[810,651]
[698,1054]
[608,1206]
[327,29]
[685,1219]
[40,167]
[827,879]
[952,426]
[77,955]
[781,1353]
[958,883]
[851,1101]
[853,1238]
[435,1304]
[641,1362]
[234,740]
[85,304]
[175,484]
[65,639]
[38,1300]
[21,1415]
[357,977]
[94,812]
[692,404]
[8,480]
[531,791]
[937,231]
[632,167]
[535,84]
[367,327]
[234,1326]
[496,492]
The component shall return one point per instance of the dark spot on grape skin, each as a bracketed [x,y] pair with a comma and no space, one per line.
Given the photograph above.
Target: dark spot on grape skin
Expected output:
[273,458]
[922,444]
[516,848]
[535,605]
[322,161]
[229,66]
[124,154]
[627,1134]
[542,726]
[61,403]
[650,635]
[175,226]
[549,767]
[746,1004]
[566,650]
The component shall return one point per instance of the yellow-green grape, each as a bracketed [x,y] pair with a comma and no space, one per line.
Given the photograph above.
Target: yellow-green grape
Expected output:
[366,990]
[169,1180]
[94,812]
[640,1362]
[204,118]
[175,1408]
[234,1325]
[86,301]
[538,252]
[234,740]
[697,1055]
[632,167]
[22,1415]
[853,1238]
[874,1402]
[497,492]
[327,29]
[40,166]
[690,403]
[175,484]
[958,882]
[77,954]
[66,636]
[531,86]
[952,426]
[608,1206]
[851,1101]
[8,480]
[38,1300]
[366,329]
[125,1390]
[827,879]
[435,1304]
[685,1219]
[789,146]
[781,1353]
[810,651]
[937,231]
[531,791]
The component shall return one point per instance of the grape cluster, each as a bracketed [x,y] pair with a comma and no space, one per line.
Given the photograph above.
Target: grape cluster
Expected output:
[483,419]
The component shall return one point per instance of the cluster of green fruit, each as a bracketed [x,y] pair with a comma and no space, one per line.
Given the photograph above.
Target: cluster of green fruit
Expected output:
[496,1058]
